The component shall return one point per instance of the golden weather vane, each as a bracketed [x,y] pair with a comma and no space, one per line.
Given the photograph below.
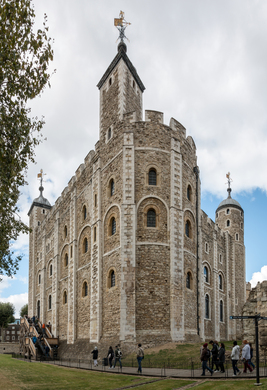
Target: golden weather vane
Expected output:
[40,176]
[121,25]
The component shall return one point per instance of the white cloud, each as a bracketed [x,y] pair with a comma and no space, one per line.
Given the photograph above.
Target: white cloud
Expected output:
[259,276]
[5,282]
[18,301]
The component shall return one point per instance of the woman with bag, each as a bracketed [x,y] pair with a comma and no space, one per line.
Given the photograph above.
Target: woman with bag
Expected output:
[110,357]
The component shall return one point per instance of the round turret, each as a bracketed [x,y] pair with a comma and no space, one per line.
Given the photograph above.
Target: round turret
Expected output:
[230,217]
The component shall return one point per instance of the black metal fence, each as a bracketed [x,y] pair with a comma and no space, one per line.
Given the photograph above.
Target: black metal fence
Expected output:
[190,368]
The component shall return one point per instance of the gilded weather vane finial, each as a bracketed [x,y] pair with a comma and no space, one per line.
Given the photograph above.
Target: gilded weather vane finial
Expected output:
[121,25]
[229,180]
[40,176]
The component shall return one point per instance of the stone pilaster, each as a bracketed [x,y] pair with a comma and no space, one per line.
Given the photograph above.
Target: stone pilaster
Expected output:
[176,245]
[55,279]
[216,299]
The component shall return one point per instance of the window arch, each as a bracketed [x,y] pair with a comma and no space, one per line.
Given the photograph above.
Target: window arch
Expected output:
[228,211]
[188,229]
[206,247]
[228,222]
[189,192]
[111,279]
[85,289]
[51,269]
[112,226]
[152,177]
[65,297]
[39,279]
[50,302]
[66,260]
[85,245]
[236,237]
[220,282]
[221,311]
[206,274]
[207,306]
[84,212]
[189,280]
[151,218]
[65,231]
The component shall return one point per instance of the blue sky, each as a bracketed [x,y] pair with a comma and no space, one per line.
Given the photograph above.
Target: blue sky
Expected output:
[203,63]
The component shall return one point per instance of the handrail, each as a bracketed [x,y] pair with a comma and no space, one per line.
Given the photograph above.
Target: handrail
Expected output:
[32,347]
[50,349]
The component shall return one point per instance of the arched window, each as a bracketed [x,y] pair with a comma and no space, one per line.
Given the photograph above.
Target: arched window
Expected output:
[65,297]
[112,226]
[84,212]
[228,222]
[50,302]
[51,270]
[94,234]
[207,306]
[206,274]
[38,309]
[151,218]
[112,187]
[188,229]
[152,177]
[220,282]
[228,211]
[65,231]
[85,245]
[220,258]
[39,279]
[109,133]
[207,247]
[221,311]
[111,279]
[188,280]
[189,192]
[85,289]
[66,260]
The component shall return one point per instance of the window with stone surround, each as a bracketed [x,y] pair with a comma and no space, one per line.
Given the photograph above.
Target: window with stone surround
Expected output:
[111,187]
[65,231]
[112,226]
[84,212]
[85,245]
[39,279]
[50,270]
[111,278]
[151,218]
[207,306]
[228,222]
[85,289]
[220,258]
[95,234]
[95,200]
[206,274]
[188,229]
[152,177]
[50,302]
[228,211]
[65,297]
[220,282]
[221,311]
[236,237]
[66,260]
[189,280]
[189,192]
[206,247]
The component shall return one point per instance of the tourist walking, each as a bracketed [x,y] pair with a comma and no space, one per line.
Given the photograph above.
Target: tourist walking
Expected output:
[140,356]
[246,356]
[110,356]
[95,356]
[251,356]
[214,353]
[235,357]
[118,355]
[204,358]
[221,356]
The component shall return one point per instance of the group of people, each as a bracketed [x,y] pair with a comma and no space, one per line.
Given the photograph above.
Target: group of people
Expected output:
[217,356]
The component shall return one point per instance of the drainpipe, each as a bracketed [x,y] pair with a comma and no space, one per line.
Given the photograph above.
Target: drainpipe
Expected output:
[196,171]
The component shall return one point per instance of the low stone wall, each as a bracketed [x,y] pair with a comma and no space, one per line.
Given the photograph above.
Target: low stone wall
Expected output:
[9,347]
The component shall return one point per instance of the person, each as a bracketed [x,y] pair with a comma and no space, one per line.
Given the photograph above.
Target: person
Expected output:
[214,353]
[204,358]
[43,329]
[221,356]
[47,350]
[235,356]
[251,356]
[95,356]
[246,356]
[118,355]
[140,356]
[34,339]
[110,356]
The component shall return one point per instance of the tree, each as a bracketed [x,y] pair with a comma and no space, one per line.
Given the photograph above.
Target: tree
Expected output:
[7,311]
[24,310]
[24,59]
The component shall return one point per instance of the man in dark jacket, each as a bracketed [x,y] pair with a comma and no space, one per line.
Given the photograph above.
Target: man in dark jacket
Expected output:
[95,356]
[204,358]
[118,356]
[214,353]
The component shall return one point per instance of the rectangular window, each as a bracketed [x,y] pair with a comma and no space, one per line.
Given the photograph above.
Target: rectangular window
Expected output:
[7,332]
[13,332]
[13,337]
[7,337]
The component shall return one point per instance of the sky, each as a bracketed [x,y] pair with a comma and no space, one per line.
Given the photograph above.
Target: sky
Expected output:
[202,62]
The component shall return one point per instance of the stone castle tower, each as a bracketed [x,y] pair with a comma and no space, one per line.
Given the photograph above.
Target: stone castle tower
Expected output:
[126,253]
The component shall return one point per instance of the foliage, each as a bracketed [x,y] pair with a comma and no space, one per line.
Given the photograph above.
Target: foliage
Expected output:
[7,311]
[24,59]
[24,310]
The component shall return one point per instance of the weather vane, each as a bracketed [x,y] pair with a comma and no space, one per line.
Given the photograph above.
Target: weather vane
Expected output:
[40,176]
[121,25]
[229,180]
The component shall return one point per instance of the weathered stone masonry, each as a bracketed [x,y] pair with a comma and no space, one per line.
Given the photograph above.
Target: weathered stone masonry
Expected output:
[126,253]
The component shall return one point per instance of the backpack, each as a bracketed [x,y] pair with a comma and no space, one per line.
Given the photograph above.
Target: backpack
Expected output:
[208,353]
[119,353]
